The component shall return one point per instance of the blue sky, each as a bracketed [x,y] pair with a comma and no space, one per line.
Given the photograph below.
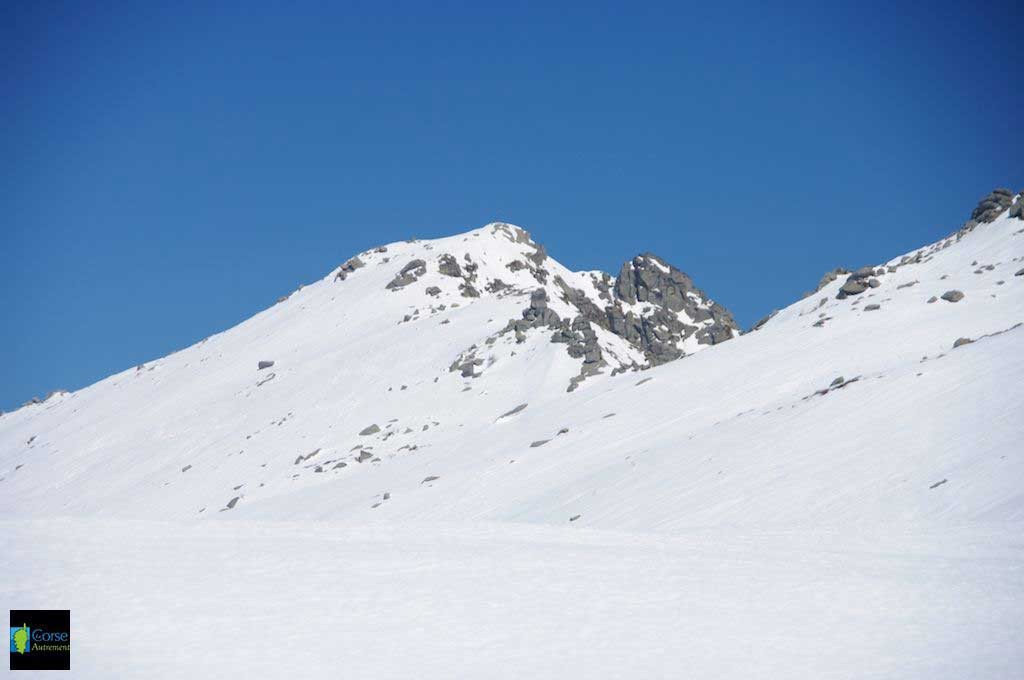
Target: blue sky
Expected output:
[173,169]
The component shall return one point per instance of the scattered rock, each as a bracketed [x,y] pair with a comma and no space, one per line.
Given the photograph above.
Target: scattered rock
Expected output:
[186,468]
[371,429]
[574,518]
[938,484]
[539,442]
[232,503]
[837,381]
[433,291]
[514,411]
[962,341]
[872,307]
[932,299]
[264,364]
[429,479]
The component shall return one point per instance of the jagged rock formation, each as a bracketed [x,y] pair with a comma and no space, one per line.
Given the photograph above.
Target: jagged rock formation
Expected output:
[651,313]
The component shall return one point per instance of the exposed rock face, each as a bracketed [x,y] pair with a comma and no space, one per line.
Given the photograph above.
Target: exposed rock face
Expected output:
[449,266]
[993,205]
[409,274]
[350,266]
[858,282]
[671,309]
[652,306]
[1017,210]
[538,314]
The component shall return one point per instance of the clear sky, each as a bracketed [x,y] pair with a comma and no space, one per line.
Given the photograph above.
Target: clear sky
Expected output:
[170,170]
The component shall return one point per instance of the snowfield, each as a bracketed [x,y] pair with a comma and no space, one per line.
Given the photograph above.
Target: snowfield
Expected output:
[424,484]
[324,599]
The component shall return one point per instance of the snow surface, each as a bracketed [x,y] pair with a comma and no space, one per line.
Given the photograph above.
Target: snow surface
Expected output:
[725,515]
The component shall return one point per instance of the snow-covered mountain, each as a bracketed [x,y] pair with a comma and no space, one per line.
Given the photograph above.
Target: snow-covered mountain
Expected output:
[470,396]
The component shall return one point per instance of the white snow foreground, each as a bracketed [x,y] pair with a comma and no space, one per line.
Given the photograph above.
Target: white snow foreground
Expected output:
[738,513]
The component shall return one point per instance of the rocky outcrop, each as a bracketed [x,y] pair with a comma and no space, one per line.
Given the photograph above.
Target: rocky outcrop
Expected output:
[347,268]
[993,205]
[449,266]
[1017,209]
[655,307]
[858,282]
[409,274]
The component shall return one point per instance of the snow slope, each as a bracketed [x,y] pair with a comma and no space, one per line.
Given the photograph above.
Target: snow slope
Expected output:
[739,512]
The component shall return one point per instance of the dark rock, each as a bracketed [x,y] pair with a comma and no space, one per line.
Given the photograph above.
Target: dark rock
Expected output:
[232,503]
[953,296]
[514,411]
[874,283]
[264,364]
[431,478]
[990,207]
[409,274]
[837,381]
[831,276]
[851,287]
[872,307]
[1017,210]
[449,266]
[433,291]
[932,299]
[347,268]
[371,429]
[962,341]
[539,442]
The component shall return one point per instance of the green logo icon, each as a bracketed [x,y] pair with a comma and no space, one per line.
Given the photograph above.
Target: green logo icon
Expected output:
[19,639]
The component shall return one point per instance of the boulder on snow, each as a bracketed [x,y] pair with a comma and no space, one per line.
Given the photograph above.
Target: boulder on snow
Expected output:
[851,287]
[872,307]
[962,341]
[371,429]
[953,296]
[264,364]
